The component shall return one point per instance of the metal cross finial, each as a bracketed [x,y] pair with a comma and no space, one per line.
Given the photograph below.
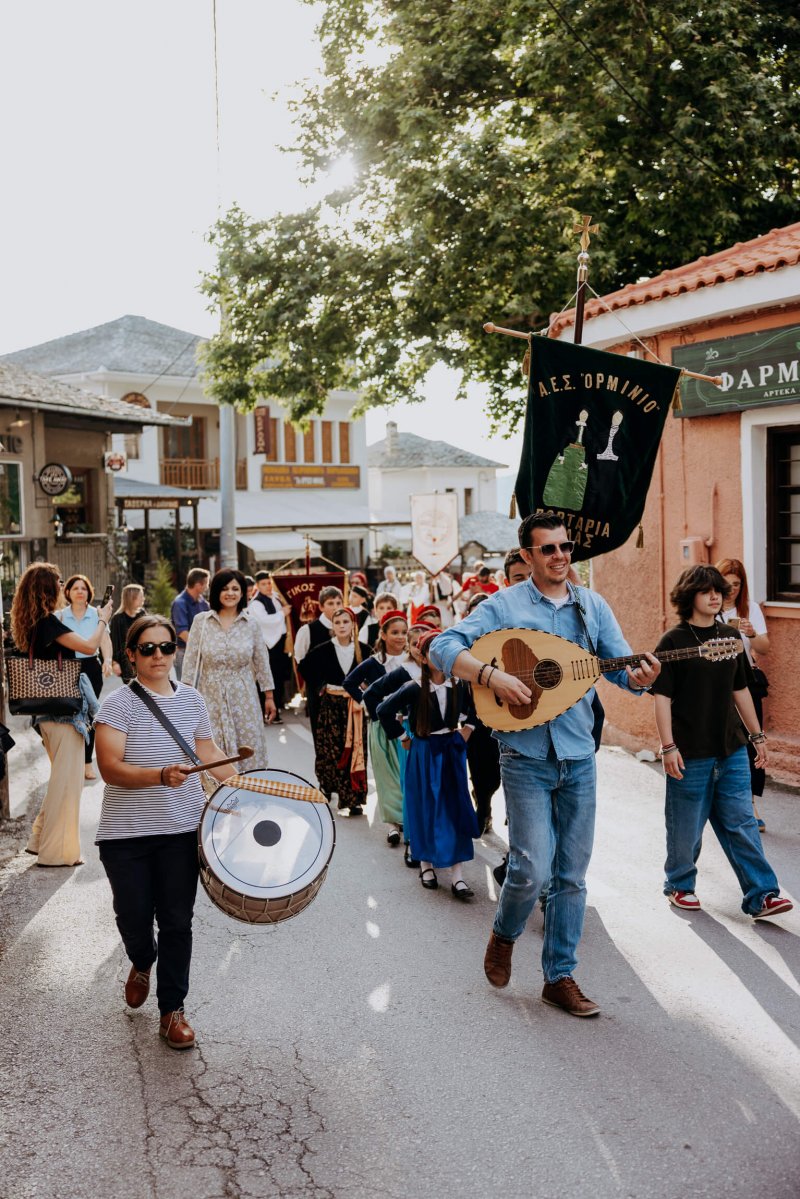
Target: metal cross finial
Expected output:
[585,228]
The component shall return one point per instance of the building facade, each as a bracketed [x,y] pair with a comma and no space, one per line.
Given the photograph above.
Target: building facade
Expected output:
[291,483]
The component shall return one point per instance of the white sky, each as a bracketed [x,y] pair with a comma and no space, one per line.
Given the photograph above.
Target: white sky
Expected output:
[111,176]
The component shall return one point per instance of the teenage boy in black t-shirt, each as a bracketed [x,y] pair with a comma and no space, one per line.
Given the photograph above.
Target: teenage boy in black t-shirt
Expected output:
[700,706]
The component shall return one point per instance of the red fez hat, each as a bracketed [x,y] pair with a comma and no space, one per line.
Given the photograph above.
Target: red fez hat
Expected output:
[429,610]
[392,614]
[426,639]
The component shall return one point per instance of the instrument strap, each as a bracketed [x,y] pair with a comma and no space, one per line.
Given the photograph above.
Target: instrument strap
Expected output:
[582,613]
[177,737]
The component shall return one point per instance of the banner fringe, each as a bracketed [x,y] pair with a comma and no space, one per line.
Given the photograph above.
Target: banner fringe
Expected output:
[640,538]
[512,507]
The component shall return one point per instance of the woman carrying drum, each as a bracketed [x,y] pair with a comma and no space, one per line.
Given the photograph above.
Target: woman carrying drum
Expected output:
[148,825]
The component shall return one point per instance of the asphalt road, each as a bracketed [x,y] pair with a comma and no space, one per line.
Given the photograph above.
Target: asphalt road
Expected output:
[357,1051]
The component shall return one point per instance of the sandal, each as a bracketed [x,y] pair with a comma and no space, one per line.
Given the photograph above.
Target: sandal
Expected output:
[430,884]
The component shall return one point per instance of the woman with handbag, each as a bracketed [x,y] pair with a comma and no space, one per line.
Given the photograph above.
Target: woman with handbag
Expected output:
[745,615]
[37,632]
[149,736]
[225,657]
[81,617]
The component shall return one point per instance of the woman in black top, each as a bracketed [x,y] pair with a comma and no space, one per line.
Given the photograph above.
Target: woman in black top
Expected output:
[130,609]
[55,836]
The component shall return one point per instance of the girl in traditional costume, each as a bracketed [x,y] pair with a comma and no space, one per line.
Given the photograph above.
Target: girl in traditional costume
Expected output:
[387,756]
[440,818]
[340,735]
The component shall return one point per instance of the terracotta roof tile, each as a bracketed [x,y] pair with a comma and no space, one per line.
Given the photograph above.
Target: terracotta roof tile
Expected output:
[779,248]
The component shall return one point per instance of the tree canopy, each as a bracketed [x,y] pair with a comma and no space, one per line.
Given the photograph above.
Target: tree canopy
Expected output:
[478,131]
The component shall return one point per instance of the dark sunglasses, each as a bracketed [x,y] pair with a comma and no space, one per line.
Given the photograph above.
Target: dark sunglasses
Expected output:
[148,648]
[547,551]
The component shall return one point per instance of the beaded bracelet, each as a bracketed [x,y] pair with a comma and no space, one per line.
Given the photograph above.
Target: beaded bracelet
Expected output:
[757,738]
[493,669]
[480,673]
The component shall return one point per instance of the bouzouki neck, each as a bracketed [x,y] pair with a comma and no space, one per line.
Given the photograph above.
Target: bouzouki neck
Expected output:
[608,665]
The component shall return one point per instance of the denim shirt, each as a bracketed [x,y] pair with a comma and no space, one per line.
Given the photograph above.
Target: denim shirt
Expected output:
[184,610]
[524,607]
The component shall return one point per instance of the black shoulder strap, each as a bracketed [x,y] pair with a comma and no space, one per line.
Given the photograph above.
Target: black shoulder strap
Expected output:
[582,612]
[149,702]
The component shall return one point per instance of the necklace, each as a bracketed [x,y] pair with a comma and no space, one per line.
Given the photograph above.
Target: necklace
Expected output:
[701,640]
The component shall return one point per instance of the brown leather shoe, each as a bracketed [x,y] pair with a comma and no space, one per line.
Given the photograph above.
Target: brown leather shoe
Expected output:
[137,988]
[567,995]
[176,1030]
[497,960]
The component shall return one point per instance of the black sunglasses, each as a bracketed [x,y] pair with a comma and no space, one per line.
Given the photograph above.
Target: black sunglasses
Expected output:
[148,648]
[547,551]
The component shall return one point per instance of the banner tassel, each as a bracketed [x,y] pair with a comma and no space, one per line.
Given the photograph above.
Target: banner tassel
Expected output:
[676,398]
[640,538]
[512,507]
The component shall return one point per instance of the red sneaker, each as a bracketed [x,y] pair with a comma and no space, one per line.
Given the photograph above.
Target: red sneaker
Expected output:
[684,899]
[773,905]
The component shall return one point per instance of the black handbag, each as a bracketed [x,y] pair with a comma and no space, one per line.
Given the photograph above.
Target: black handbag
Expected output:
[760,683]
[43,686]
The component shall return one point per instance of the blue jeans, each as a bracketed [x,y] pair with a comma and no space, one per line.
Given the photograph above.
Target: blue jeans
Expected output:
[716,790]
[550,808]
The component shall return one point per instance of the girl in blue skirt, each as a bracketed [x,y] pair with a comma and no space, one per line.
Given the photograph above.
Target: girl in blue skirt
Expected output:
[440,818]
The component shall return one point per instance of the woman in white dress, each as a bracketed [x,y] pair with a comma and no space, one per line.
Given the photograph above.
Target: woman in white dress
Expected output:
[746,616]
[225,657]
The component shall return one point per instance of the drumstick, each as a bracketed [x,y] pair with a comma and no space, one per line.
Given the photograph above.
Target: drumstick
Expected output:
[244,751]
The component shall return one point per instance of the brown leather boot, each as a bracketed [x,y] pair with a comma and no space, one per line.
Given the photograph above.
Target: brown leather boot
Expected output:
[137,988]
[567,995]
[497,960]
[176,1030]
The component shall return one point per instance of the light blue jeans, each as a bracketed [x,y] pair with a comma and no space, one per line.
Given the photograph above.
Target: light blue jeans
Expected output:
[551,807]
[716,790]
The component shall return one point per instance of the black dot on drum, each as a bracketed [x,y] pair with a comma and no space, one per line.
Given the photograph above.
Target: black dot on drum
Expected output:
[267,832]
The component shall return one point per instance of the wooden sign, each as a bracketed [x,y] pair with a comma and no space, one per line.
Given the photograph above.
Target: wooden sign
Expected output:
[262,429]
[276,475]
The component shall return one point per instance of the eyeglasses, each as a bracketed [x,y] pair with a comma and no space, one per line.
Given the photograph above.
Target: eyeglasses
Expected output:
[547,551]
[148,648]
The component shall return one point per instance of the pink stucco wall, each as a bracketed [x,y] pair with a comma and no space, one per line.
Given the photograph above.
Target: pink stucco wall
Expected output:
[696,491]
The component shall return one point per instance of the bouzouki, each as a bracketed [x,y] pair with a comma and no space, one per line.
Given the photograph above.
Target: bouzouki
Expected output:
[559,673]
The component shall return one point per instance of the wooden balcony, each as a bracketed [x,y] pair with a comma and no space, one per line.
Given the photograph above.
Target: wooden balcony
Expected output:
[199,474]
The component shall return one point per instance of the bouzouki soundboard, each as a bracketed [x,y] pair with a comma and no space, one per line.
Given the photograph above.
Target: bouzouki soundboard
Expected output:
[559,673]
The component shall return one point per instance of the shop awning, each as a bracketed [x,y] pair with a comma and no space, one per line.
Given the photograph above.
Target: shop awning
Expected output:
[274,547]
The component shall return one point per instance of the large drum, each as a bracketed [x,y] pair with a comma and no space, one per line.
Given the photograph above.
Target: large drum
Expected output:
[264,857]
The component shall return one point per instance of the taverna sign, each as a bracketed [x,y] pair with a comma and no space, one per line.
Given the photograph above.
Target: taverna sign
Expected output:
[757,370]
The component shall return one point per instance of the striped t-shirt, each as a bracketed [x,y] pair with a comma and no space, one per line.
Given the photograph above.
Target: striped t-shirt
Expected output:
[148,811]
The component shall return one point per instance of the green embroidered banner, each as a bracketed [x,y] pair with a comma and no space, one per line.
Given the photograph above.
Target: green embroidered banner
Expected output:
[592,428]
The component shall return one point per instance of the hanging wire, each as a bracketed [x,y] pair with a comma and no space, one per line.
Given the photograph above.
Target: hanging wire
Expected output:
[634,336]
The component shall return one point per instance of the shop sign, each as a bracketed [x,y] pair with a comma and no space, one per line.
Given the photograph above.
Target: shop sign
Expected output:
[279,476]
[132,502]
[261,422]
[54,478]
[757,369]
[115,461]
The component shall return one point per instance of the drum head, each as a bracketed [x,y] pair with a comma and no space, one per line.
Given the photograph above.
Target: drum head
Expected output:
[265,846]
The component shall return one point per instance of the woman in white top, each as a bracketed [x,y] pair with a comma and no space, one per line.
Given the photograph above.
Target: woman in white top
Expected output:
[745,615]
[340,735]
[148,825]
[82,618]
[417,595]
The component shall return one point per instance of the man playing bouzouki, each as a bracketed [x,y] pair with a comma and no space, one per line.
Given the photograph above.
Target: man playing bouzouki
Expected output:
[548,772]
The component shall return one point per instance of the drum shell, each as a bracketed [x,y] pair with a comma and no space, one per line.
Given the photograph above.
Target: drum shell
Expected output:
[250,909]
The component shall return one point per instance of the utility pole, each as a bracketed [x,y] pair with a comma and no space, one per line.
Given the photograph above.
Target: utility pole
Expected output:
[228,552]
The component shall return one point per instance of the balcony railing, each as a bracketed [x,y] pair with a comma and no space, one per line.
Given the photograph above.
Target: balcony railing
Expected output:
[199,474]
